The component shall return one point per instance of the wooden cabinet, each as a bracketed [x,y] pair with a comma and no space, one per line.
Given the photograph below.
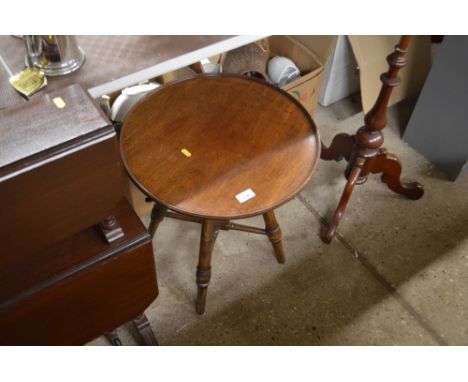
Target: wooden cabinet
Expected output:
[62,281]
[59,171]
[79,288]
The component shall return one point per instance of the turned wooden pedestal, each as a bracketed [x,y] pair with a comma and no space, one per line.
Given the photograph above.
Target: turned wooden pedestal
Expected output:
[212,149]
[363,150]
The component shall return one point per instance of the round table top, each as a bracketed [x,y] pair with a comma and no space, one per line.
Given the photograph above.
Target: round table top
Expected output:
[220,147]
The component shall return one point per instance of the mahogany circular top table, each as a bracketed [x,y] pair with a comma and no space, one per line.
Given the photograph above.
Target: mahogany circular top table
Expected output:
[215,148]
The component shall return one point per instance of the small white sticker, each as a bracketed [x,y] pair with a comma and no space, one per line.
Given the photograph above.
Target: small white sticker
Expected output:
[245,195]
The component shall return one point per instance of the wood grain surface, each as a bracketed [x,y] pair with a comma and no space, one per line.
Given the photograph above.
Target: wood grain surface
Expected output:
[60,172]
[240,134]
[39,125]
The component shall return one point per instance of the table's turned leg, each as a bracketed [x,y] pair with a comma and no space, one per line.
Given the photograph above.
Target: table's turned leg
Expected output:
[157,216]
[363,150]
[144,331]
[273,231]
[354,176]
[207,240]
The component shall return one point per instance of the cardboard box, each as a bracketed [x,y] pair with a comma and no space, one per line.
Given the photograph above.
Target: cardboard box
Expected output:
[306,88]
[175,74]
[136,198]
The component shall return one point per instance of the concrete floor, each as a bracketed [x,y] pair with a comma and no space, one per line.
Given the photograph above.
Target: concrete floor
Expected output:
[396,274]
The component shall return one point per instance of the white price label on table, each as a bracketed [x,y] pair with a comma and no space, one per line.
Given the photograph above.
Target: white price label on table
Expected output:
[245,195]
